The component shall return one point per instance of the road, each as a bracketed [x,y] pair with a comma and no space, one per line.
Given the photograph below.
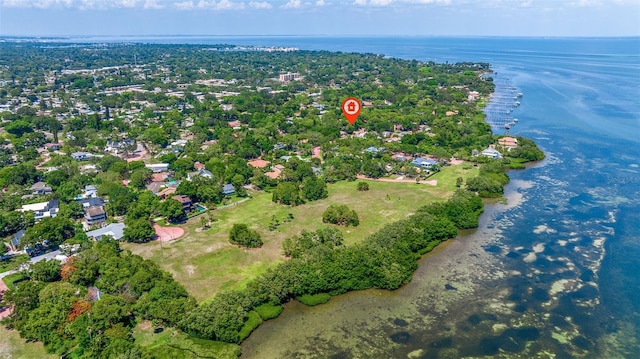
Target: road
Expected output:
[47,256]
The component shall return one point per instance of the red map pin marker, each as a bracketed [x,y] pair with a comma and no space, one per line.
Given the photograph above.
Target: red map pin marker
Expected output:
[351,109]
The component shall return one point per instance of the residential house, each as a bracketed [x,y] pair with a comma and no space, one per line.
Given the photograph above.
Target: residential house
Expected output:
[90,191]
[374,150]
[81,156]
[202,172]
[15,240]
[43,209]
[91,202]
[118,146]
[258,163]
[425,163]
[228,189]
[508,142]
[52,146]
[166,192]
[40,188]
[114,230]
[491,153]
[158,167]
[95,215]
[155,187]
[186,202]
[161,176]
[400,157]
[275,171]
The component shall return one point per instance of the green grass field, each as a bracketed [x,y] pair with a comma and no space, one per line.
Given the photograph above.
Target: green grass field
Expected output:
[12,346]
[205,262]
[171,343]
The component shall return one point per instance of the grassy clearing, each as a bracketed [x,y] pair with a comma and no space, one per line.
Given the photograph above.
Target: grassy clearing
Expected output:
[12,346]
[205,262]
[171,343]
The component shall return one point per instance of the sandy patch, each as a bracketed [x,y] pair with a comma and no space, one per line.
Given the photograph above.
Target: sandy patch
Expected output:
[543,229]
[531,257]
[166,234]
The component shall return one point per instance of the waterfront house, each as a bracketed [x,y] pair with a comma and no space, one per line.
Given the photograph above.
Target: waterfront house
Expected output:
[508,142]
[491,153]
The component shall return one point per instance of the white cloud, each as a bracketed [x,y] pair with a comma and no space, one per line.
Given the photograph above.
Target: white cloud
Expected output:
[209,5]
[292,4]
[152,4]
[320,3]
[260,5]
[184,5]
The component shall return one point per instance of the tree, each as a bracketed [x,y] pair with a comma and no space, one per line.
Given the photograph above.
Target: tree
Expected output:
[287,193]
[172,209]
[204,223]
[363,186]
[314,188]
[46,271]
[459,182]
[241,234]
[54,230]
[340,215]
[139,231]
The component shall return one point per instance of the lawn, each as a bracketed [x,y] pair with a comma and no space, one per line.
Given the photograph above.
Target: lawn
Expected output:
[12,346]
[205,262]
[171,343]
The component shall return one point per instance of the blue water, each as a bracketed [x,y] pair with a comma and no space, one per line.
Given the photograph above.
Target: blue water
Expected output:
[562,261]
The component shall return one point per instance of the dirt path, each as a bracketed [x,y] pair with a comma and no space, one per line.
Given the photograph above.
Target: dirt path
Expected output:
[400,179]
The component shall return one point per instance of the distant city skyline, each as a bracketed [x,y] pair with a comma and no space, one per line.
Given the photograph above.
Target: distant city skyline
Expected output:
[320,17]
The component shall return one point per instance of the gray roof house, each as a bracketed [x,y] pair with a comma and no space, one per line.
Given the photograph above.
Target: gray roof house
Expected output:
[492,153]
[40,188]
[115,230]
[424,162]
[228,189]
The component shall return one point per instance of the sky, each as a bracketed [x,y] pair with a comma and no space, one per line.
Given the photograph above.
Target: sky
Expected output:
[320,17]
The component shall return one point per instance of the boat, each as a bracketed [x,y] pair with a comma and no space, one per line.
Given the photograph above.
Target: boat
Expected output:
[519,94]
[506,127]
[515,120]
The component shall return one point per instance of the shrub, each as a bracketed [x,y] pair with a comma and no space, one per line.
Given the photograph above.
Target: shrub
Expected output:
[314,299]
[363,186]
[253,321]
[340,215]
[241,234]
[269,310]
